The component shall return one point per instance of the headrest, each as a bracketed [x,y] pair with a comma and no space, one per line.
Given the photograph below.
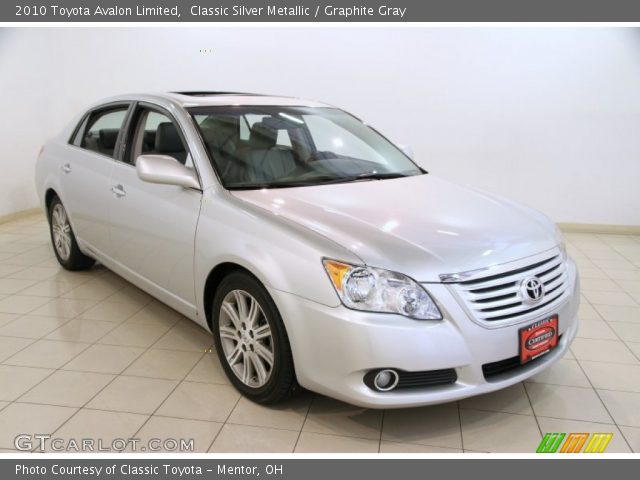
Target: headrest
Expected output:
[108,137]
[220,132]
[168,139]
[262,137]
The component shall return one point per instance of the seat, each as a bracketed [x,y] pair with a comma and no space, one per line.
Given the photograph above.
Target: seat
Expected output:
[168,142]
[107,138]
[221,135]
[265,161]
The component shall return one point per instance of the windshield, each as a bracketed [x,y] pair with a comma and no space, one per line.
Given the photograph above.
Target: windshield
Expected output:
[270,147]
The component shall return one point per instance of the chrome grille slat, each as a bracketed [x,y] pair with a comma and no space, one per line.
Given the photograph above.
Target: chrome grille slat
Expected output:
[510,277]
[498,296]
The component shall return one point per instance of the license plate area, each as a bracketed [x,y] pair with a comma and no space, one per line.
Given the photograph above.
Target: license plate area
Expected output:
[538,338]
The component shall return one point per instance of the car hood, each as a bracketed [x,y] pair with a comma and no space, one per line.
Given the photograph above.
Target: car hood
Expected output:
[421,226]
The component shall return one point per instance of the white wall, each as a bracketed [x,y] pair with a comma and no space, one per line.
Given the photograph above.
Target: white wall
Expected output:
[550,117]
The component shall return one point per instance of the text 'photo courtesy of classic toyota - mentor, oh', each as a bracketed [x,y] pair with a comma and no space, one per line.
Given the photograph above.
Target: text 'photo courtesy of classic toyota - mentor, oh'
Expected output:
[314,249]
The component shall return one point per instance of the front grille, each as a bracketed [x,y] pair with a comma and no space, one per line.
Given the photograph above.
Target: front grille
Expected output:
[509,365]
[428,378]
[497,296]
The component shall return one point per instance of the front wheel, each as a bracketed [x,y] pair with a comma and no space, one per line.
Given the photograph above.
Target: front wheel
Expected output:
[64,241]
[251,340]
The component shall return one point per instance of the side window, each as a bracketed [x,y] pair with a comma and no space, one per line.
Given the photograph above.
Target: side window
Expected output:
[157,134]
[102,130]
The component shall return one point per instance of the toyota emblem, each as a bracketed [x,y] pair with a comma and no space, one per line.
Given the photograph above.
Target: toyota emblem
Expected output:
[532,290]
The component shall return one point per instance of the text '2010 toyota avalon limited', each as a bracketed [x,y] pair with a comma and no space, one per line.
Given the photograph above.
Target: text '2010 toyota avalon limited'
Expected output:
[316,251]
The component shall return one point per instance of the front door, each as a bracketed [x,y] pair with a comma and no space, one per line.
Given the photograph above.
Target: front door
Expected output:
[153,226]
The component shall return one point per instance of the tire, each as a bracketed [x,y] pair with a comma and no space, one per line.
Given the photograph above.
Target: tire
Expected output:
[241,344]
[63,239]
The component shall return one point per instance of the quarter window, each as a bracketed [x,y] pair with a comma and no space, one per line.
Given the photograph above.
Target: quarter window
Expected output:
[103,129]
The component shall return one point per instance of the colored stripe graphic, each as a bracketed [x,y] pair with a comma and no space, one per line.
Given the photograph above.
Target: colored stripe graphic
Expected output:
[598,442]
[574,443]
[550,443]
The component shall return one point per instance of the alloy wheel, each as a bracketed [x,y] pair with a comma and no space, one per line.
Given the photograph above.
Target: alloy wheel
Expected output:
[246,339]
[61,231]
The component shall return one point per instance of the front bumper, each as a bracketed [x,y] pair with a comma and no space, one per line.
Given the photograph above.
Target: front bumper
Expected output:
[333,348]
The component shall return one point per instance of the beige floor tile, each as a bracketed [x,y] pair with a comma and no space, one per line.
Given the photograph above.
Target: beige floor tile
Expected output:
[166,428]
[101,426]
[208,370]
[509,400]
[598,284]
[68,389]
[630,286]
[7,270]
[3,404]
[110,312]
[625,274]
[27,419]
[104,359]
[629,332]
[587,312]
[167,364]
[11,345]
[134,335]
[610,298]
[632,435]
[78,330]
[611,376]
[333,417]
[187,336]
[131,295]
[499,432]
[156,313]
[64,307]
[10,286]
[564,372]
[35,272]
[47,354]
[595,329]
[49,288]
[17,380]
[288,415]
[613,351]
[396,447]
[200,401]
[608,265]
[617,443]
[94,289]
[623,406]
[32,326]
[593,272]
[571,403]
[133,394]
[247,439]
[21,304]
[7,318]
[634,347]
[320,443]
[437,425]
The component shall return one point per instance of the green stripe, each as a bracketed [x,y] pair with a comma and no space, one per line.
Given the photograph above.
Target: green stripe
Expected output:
[550,443]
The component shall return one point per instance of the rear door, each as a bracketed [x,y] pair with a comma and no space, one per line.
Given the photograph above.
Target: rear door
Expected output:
[153,226]
[86,171]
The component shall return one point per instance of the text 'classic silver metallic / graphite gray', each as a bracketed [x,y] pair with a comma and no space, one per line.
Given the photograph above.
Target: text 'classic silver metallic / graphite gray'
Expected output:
[315,250]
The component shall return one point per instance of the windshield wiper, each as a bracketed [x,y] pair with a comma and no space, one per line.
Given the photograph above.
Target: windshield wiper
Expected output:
[378,176]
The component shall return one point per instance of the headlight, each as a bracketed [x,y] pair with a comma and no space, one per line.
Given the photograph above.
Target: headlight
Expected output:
[376,290]
[561,243]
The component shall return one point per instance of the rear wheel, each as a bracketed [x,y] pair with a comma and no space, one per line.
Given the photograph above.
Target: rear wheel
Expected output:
[63,239]
[251,341]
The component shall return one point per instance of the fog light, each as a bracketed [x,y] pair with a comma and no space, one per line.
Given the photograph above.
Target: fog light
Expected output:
[385,380]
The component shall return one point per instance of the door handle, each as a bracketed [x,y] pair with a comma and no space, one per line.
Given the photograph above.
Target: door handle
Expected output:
[118,191]
[66,168]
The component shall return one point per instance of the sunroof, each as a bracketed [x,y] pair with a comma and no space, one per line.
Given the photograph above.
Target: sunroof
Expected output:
[209,94]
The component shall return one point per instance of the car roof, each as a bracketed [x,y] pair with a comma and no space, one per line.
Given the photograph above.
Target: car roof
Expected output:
[198,98]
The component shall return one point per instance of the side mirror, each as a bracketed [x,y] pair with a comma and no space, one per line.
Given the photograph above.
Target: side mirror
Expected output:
[165,170]
[407,150]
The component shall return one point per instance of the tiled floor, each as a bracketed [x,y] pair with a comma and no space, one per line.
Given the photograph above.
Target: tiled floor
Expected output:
[89,355]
